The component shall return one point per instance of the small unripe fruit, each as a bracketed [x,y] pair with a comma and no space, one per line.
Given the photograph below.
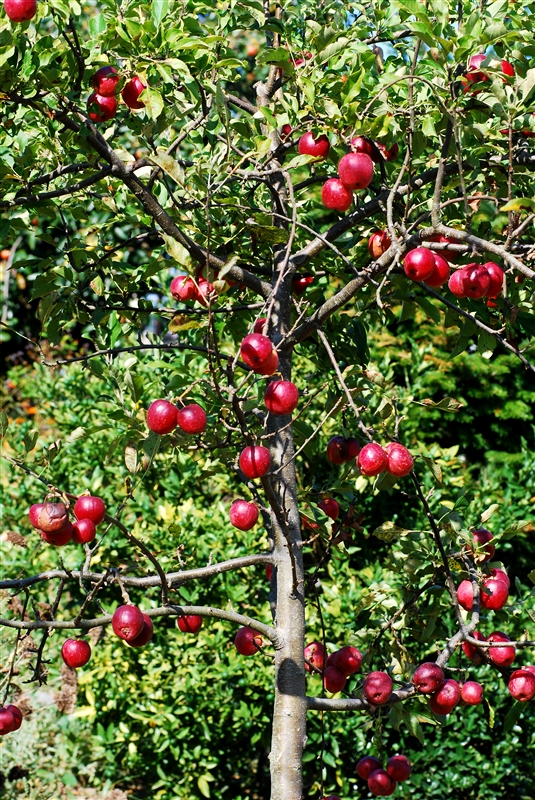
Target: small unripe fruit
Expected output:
[330,507]
[472,693]
[127,622]
[309,146]
[247,641]
[428,677]
[191,419]
[75,653]
[281,397]
[400,461]
[356,170]
[316,653]
[243,515]
[189,623]
[89,507]
[255,461]
[377,687]
[333,680]
[335,195]
[419,264]
[399,768]
[372,459]
[447,697]
[255,350]
[500,656]
[381,784]
[366,766]
[348,660]
[162,417]
[145,636]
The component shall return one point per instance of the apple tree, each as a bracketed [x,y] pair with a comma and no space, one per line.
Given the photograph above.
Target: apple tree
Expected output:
[226,217]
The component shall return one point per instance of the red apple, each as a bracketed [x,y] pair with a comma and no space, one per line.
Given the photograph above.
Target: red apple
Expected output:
[301,283]
[316,653]
[377,688]
[471,650]
[481,537]
[472,693]
[52,517]
[334,450]
[309,146]
[476,281]
[359,144]
[243,515]
[255,461]
[496,275]
[428,677]
[333,680]
[448,255]
[330,507]
[191,419]
[419,264]
[378,243]
[127,622]
[465,595]
[456,283]
[259,325]
[83,531]
[400,461]
[59,538]
[162,416]
[474,75]
[500,656]
[271,365]
[390,153]
[75,653]
[7,721]
[522,685]
[372,459]
[446,698]
[366,766]
[501,575]
[247,641]
[145,636]
[356,170]
[281,397]
[183,288]
[285,131]
[399,768]
[205,292]
[33,514]
[440,274]
[89,507]
[381,784]
[105,81]
[335,195]
[498,594]
[17,716]
[189,623]
[20,10]
[255,350]
[348,660]
[101,109]
[269,571]
[131,91]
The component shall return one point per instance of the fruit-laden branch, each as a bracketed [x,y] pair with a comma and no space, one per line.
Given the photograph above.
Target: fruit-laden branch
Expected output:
[483,244]
[66,190]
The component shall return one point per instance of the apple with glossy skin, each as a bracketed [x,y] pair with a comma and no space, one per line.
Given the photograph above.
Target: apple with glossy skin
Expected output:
[334,451]
[75,653]
[189,623]
[399,768]
[259,325]
[59,538]
[127,622]
[7,721]
[419,264]
[105,81]
[381,784]
[496,275]
[205,292]
[348,660]
[162,417]
[335,195]
[471,651]
[243,515]
[446,698]
[378,243]
[191,419]
[330,507]
[90,507]
[333,680]
[390,153]
[359,144]
[440,274]
[255,461]
[355,170]
[372,459]
[316,653]
[456,283]
[131,92]
[472,693]
[499,593]
[428,677]
[101,109]
[366,766]
[501,575]
[183,288]
[522,685]
[247,641]
[301,284]
[83,531]
[500,656]
[17,716]
[465,595]
[482,537]
[309,146]
[146,634]
[20,10]
[33,514]
[400,461]
[255,350]
[281,398]
[476,281]
[377,687]
[271,365]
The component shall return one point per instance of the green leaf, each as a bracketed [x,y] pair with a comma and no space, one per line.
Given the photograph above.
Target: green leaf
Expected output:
[153,102]
[486,515]
[519,204]
[178,252]
[514,528]
[512,716]
[389,532]
[3,423]
[130,458]
[159,11]
[446,404]
[531,575]
[30,439]
[169,165]
[435,469]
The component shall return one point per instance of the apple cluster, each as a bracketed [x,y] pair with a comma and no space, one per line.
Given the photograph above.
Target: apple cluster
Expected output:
[433,268]
[102,102]
[10,719]
[477,281]
[131,625]
[335,668]
[382,782]
[372,459]
[184,288]
[163,417]
[475,75]
[52,520]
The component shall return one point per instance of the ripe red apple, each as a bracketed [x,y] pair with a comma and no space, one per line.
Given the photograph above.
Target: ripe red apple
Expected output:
[522,685]
[247,641]
[131,91]
[83,531]
[243,515]
[390,153]
[271,365]
[281,397]
[334,451]
[183,288]
[316,653]
[330,507]
[7,721]
[333,680]
[355,170]
[191,419]
[465,595]
[89,507]
[471,650]
[472,693]
[419,264]
[33,514]
[399,767]
[285,131]
[372,459]
[75,653]
[500,656]
[498,594]
[259,325]
[400,461]
[101,109]
[348,660]
[456,283]
[377,687]
[496,275]
[309,146]
[145,636]
[20,10]
[269,571]
[501,575]
[189,623]
[476,281]
[446,698]
[162,416]
[428,677]
[481,537]
[255,350]
[440,274]
[17,716]
[105,81]
[59,538]
[378,243]
[301,283]
[381,784]
[366,766]
[127,622]
[335,195]
[205,292]
[255,461]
